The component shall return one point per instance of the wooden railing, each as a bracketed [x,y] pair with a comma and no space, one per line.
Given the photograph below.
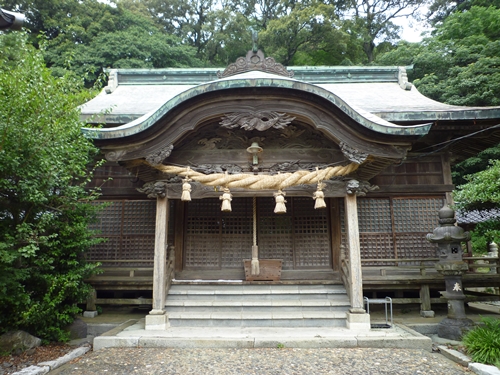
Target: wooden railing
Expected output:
[169,270]
[345,276]
[132,271]
[425,263]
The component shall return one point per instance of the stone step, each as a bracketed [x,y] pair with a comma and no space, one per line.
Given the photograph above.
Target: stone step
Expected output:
[258,319]
[261,305]
[259,287]
[340,303]
[255,292]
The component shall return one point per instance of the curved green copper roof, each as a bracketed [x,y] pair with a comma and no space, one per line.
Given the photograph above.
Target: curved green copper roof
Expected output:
[256,79]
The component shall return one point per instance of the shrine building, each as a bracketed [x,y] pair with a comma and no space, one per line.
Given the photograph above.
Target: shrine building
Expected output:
[322,180]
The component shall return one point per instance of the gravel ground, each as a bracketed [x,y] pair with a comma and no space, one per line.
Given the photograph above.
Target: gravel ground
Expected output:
[262,361]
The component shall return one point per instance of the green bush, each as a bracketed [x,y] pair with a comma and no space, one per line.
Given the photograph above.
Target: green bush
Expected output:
[45,208]
[483,342]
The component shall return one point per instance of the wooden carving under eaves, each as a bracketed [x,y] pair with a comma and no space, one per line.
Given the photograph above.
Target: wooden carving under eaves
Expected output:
[157,157]
[353,154]
[359,188]
[255,61]
[155,189]
[256,120]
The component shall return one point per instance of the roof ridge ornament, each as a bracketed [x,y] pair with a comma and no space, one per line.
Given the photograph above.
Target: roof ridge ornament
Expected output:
[255,60]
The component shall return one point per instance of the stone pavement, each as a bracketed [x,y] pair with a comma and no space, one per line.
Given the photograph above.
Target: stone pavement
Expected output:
[278,357]
[265,361]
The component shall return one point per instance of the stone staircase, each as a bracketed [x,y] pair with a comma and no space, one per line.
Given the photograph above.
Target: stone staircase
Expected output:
[256,305]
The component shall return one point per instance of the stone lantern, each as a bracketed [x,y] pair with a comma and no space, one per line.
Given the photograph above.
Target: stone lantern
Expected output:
[449,237]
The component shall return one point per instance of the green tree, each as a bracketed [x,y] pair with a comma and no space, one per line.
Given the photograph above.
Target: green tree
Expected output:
[482,189]
[482,192]
[45,209]
[80,19]
[439,10]
[305,36]
[218,30]
[87,36]
[459,63]
[133,42]
[372,20]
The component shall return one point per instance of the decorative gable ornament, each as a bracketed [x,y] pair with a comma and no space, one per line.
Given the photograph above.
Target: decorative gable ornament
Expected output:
[255,61]
[256,120]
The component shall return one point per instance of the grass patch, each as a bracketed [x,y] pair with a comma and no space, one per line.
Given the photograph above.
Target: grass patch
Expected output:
[483,342]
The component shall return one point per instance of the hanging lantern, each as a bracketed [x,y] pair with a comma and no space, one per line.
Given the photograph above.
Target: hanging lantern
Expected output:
[226,199]
[319,196]
[280,202]
[186,190]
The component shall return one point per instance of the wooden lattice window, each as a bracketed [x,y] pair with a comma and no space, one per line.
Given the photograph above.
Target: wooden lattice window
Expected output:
[413,219]
[128,227]
[395,228]
[215,239]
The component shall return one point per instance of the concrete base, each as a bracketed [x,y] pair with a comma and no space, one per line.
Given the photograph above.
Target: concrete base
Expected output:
[358,322]
[427,313]
[135,335]
[156,322]
[90,314]
[454,329]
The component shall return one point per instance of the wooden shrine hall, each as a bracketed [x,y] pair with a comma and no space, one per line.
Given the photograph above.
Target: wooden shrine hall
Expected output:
[264,175]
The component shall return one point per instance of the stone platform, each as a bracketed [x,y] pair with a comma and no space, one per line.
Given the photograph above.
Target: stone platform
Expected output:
[133,334]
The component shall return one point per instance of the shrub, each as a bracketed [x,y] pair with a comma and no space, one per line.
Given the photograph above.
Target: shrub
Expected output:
[483,342]
[45,208]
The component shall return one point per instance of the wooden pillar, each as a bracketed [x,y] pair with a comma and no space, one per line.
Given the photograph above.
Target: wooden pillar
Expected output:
[157,318]
[357,318]
[336,233]
[160,256]
[355,275]
[425,302]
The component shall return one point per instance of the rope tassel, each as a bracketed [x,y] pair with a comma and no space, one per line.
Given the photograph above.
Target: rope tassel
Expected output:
[226,199]
[280,202]
[186,189]
[319,196]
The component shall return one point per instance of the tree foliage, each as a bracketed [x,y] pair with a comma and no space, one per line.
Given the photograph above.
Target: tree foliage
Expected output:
[374,19]
[93,34]
[482,192]
[44,207]
[439,10]
[482,189]
[133,42]
[306,36]
[459,63]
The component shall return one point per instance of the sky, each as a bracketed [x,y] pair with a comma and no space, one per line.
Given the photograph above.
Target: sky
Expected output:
[411,33]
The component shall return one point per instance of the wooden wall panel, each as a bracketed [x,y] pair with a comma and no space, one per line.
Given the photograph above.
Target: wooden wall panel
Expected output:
[414,176]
